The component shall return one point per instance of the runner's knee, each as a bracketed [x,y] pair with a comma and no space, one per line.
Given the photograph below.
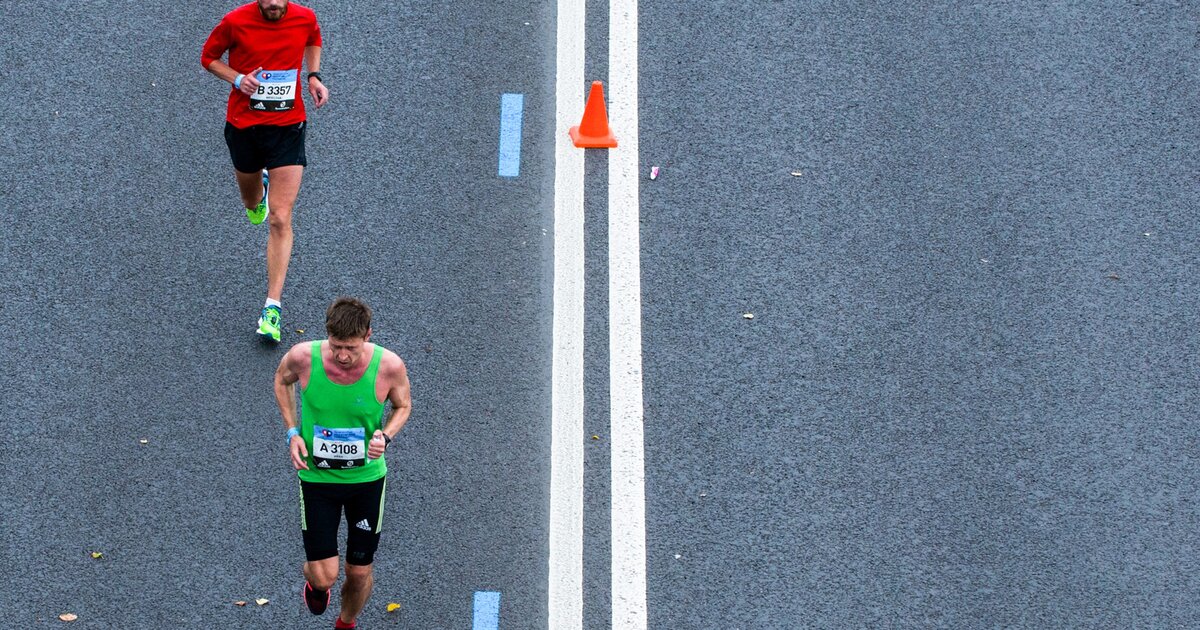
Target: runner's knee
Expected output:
[322,574]
[280,220]
[358,573]
[322,583]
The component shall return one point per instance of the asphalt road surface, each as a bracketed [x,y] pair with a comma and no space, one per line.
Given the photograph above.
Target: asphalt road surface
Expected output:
[966,397]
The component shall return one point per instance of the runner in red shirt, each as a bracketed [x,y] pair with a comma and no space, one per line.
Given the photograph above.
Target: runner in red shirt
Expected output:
[267,41]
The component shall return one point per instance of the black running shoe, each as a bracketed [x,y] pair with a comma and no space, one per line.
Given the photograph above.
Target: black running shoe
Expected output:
[317,601]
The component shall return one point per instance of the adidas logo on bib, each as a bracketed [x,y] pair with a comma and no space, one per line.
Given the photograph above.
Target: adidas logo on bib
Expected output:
[363,525]
[323,464]
[259,106]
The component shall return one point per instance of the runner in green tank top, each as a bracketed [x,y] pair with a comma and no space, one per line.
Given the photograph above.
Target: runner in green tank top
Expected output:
[337,448]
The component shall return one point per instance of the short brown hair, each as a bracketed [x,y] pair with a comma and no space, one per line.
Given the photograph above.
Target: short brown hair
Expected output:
[348,318]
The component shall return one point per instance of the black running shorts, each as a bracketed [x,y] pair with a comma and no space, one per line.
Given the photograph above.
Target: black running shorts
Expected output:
[321,506]
[266,146]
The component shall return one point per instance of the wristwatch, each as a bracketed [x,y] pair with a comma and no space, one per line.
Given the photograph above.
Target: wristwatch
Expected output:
[317,75]
[386,440]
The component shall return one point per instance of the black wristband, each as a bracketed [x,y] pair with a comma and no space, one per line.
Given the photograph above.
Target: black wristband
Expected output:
[315,74]
[386,440]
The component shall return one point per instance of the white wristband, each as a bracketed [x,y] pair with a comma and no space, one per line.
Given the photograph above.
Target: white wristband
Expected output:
[237,81]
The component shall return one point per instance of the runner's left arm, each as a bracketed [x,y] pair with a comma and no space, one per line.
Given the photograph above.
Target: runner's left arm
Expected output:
[401,399]
[316,89]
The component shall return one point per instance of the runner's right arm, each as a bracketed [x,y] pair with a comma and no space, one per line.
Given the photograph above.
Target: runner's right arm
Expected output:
[222,70]
[214,48]
[286,377]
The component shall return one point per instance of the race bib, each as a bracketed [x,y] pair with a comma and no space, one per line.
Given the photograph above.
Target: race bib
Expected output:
[339,449]
[276,91]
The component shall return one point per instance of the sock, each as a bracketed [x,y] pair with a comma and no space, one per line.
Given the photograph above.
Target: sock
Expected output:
[274,303]
[345,626]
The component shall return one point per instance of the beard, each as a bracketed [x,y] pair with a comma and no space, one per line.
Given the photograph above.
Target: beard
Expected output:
[273,14]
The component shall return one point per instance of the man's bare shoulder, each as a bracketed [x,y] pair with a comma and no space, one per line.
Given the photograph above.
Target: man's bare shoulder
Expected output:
[391,365]
[299,355]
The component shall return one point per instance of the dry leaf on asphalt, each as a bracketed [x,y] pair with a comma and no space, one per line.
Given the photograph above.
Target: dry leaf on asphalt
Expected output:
[68,616]
[393,607]
[239,603]
[96,555]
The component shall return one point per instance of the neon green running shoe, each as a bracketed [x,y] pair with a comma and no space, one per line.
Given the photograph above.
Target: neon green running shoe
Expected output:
[268,322]
[259,213]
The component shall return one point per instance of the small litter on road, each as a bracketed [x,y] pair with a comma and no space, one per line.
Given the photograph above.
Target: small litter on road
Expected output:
[1145,233]
[240,602]
[393,607]
[68,616]
[1113,276]
[96,555]
[748,315]
[797,173]
[983,260]
[653,172]
[595,437]
[299,331]
[677,556]
[143,441]
[262,601]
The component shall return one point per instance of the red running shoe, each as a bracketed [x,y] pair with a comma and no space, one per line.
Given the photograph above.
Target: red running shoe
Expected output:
[316,601]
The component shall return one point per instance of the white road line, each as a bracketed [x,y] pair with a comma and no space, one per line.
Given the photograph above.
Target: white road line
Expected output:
[625,326]
[565,589]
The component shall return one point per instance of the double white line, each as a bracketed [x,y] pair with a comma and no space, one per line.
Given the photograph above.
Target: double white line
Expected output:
[625,332]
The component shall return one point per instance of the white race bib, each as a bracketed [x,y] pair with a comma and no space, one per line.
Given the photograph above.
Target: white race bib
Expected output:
[276,90]
[339,449]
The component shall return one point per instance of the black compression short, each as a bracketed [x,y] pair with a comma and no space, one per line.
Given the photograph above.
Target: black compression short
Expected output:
[321,506]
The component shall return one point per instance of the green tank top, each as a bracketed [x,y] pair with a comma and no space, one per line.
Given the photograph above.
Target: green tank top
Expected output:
[337,421]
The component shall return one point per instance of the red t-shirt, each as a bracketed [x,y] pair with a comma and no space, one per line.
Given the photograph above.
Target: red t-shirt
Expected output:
[277,47]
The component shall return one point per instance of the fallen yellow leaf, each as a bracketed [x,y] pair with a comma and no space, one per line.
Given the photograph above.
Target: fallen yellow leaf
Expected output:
[262,601]
[393,607]
[68,616]
[96,555]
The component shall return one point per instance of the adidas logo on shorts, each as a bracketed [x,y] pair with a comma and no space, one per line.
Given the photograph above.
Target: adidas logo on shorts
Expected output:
[363,525]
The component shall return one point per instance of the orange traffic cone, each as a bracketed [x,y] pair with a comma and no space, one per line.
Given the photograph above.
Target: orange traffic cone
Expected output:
[593,132]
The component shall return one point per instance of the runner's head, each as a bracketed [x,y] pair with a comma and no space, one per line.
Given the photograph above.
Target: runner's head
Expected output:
[273,9]
[348,322]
